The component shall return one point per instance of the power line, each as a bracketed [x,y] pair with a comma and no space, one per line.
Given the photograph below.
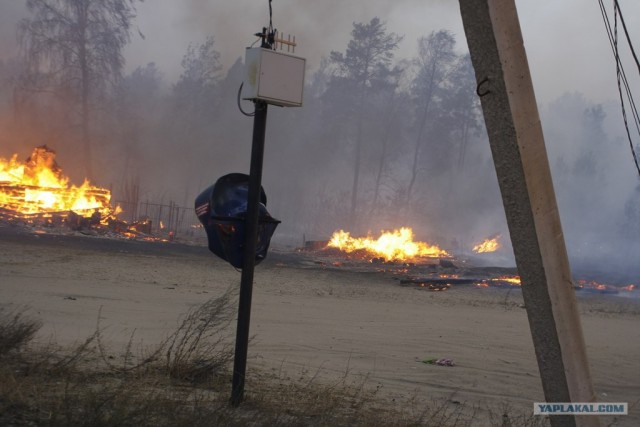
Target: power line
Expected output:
[626,33]
[621,76]
[619,69]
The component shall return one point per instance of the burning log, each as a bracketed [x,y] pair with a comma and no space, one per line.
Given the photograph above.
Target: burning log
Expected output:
[141,226]
[78,222]
[445,263]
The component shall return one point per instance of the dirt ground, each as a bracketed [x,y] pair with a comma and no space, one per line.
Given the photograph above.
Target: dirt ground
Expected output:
[326,320]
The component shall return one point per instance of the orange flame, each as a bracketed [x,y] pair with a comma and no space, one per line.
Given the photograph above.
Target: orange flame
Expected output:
[512,280]
[38,186]
[490,244]
[391,245]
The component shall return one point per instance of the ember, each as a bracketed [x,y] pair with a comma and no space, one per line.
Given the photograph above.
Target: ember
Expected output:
[37,188]
[510,280]
[490,244]
[592,286]
[396,245]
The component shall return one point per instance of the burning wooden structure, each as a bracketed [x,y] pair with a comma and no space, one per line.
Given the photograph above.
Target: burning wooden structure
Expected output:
[37,190]
[37,193]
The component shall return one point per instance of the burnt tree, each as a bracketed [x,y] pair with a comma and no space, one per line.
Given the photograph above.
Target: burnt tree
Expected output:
[73,50]
[360,70]
[436,59]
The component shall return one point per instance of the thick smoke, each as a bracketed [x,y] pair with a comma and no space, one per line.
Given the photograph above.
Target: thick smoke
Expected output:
[173,131]
[319,27]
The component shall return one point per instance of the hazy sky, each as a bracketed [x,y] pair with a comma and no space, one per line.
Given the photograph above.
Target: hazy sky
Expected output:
[565,40]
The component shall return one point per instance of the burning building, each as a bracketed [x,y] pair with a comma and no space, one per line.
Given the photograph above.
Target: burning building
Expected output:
[37,189]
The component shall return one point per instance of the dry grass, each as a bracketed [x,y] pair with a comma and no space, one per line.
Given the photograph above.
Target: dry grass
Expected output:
[198,351]
[16,330]
[185,381]
[200,348]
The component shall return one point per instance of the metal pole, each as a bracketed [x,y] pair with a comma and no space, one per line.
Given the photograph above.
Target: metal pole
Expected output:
[248,264]
[515,134]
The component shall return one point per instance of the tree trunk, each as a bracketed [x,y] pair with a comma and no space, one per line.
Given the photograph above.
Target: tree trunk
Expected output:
[356,173]
[356,167]
[376,190]
[383,155]
[414,168]
[416,152]
[82,9]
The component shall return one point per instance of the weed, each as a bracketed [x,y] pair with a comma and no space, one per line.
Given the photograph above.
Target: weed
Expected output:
[16,330]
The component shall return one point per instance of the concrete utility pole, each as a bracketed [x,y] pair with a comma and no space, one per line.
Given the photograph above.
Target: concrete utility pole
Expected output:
[508,101]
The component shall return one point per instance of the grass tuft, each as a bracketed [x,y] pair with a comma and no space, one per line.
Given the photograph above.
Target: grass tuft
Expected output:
[16,330]
[200,347]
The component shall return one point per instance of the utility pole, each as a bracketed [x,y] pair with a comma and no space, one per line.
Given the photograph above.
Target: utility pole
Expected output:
[510,112]
[249,256]
[276,78]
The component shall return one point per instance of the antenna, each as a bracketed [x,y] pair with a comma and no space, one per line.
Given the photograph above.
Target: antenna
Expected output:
[270,37]
[274,74]
[290,44]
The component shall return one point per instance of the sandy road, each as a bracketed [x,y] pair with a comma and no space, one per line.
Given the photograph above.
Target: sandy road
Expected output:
[311,318]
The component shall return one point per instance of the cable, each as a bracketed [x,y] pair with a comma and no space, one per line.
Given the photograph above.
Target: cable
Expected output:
[620,73]
[268,34]
[268,37]
[240,106]
[270,41]
[626,33]
[613,43]
[634,110]
[621,76]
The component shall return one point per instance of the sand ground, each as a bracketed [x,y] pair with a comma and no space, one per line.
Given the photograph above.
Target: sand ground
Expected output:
[324,320]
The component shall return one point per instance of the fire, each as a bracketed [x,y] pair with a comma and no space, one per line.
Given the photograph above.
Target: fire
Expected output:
[512,280]
[396,245]
[38,186]
[597,287]
[490,244]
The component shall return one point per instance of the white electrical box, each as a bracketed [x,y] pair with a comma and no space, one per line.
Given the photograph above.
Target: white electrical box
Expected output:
[273,77]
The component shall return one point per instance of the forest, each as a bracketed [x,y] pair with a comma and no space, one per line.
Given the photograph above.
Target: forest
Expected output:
[380,142]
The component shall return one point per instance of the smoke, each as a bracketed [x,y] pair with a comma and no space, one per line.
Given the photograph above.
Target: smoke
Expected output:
[319,27]
[10,14]
[596,184]
[174,143]
[552,33]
